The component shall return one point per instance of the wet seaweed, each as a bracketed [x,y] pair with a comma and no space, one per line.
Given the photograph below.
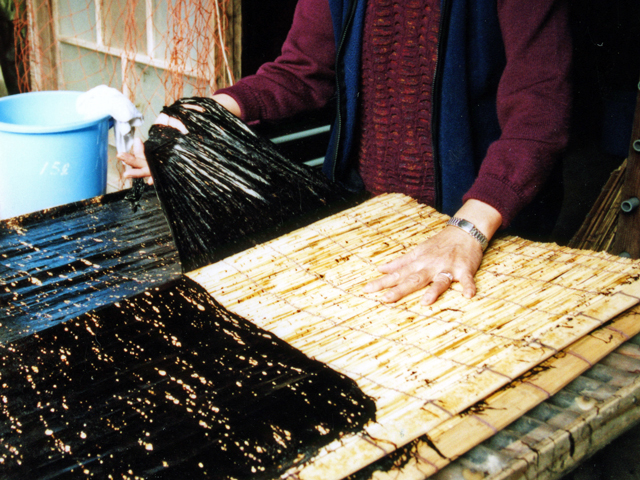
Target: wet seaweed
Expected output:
[392,462]
[223,188]
[60,263]
[167,385]
[134,194]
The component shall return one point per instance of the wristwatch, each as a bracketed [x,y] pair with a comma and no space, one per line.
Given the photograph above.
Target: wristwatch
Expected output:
[471,229]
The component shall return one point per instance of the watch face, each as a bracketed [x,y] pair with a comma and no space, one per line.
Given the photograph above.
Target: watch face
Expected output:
[470,228]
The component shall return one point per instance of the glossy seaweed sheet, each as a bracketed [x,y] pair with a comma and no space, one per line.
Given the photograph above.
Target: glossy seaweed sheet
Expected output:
[59,263]
[224,188]
[166,384]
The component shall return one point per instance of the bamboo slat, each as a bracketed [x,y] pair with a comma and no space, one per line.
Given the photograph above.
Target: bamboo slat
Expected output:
[598,229]
[422,365]
[604,410]
[459,434]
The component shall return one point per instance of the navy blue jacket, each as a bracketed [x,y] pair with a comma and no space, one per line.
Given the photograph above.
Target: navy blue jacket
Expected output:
[471,59]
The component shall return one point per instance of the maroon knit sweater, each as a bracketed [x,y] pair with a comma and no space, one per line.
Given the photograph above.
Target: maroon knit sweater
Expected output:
[399,52]
[533,97]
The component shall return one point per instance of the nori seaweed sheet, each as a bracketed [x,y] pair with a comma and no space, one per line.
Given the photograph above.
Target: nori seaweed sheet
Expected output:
[166,385]
[223,188]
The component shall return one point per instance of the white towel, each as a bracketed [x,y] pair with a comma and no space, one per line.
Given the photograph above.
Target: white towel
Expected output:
[104,100]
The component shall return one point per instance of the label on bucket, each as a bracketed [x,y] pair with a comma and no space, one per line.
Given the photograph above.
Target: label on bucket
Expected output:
[55,168]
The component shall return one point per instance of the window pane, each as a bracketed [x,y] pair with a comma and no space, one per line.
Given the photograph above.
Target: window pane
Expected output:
[121,18]
[77,18]
[83,69]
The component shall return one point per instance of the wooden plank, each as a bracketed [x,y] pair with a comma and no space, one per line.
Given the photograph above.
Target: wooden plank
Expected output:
[590,432]
[43,51]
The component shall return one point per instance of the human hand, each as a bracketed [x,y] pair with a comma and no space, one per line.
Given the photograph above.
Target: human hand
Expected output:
[136,165]
[450,255]
[135,162]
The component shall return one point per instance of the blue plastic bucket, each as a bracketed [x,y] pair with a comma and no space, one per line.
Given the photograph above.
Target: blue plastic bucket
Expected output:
[49,154]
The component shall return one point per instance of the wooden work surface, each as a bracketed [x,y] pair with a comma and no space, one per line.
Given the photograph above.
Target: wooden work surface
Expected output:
[422,365]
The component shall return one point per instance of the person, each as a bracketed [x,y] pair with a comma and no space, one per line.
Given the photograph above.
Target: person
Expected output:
[461,104]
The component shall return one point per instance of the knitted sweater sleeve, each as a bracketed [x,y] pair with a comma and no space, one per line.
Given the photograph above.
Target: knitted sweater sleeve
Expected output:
[534,101]
[301,78]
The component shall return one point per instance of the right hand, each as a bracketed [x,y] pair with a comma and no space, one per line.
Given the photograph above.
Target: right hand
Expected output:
[136,165]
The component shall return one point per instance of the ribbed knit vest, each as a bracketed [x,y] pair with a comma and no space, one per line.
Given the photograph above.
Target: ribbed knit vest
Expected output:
[398,63]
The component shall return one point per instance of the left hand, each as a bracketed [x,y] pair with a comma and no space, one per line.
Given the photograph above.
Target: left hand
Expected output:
[450,255]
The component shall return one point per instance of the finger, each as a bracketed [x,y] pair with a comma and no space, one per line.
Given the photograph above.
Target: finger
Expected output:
[440,284]
[137,173]
[135,167]
[138,147]
[468,285]
[386,281]
[197,108]
[131,160]
[136,158]
[126,158]
[135,163]
[409,284]
[164,119]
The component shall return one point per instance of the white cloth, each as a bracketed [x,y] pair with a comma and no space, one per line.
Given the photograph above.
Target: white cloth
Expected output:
[104,100]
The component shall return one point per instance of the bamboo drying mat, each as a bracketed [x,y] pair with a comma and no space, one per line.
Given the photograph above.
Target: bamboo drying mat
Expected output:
[429,454]
[422,365]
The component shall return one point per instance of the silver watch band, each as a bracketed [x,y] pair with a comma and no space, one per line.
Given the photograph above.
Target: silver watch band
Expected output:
[471,229]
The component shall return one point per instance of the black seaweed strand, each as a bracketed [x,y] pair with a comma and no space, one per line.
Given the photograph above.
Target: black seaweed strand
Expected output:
[223,188]
[134,195]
